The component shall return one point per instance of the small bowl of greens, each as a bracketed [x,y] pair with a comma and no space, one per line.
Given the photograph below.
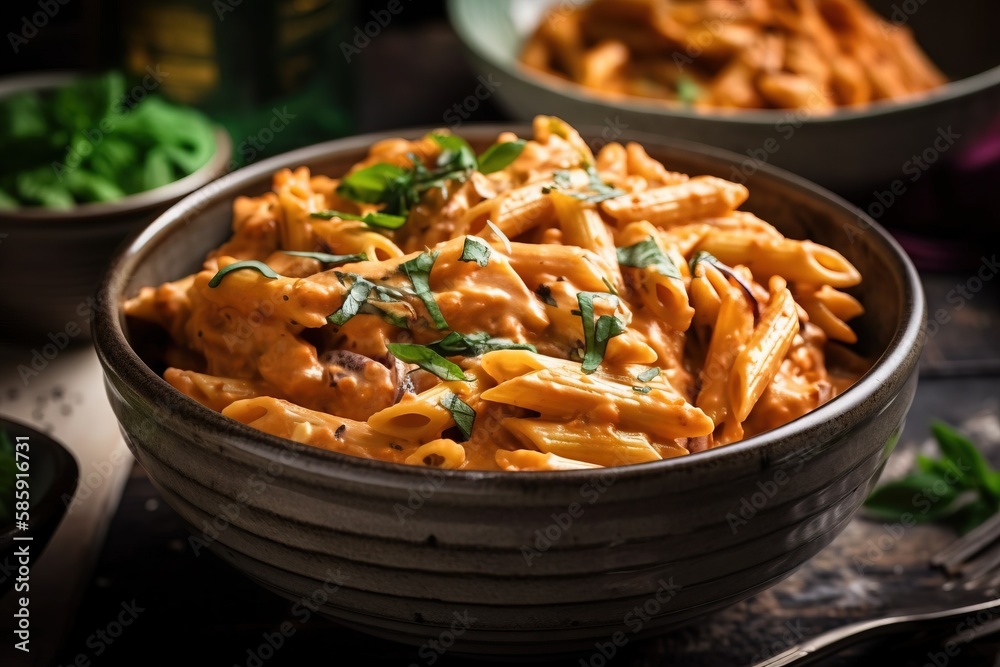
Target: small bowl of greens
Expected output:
[48,478]
[88,160]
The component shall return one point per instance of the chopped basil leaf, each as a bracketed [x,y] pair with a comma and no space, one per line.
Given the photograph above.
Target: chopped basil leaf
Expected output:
[261,267]
[648,375]
[377,184]
[500,235]
[457,158]
[427,359]
[596,335]
[596,192]
[642,390]
[611,288]
[419,270]
[544,293]
[688,91]
[378,219]
[326,258]
[476,251]
[461,412]
[390,317]
[702,256]
[499,156]
[646,254]
[356,297]
[473,345]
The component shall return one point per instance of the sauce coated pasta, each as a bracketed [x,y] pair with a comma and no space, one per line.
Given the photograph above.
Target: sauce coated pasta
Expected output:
[535,307]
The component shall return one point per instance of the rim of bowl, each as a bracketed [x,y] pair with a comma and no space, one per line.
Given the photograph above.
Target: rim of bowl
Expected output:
[952,90]
[119,358]
[35,215]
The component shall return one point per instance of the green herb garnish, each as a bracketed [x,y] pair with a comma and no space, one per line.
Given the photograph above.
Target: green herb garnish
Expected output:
[261,267]
[647,254]
[473,345]
[461,412]
[648,375]
[476,251]
[596,192]
[702,256]
[642,390]
[378,219]
[428,359]
[419,271]
[326,258]
[596,334]
[688,91]
[499,156]
[960,489]
[356,297]
[358,301]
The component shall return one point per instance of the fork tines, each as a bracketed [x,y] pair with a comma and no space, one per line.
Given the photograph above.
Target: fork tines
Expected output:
[959,558]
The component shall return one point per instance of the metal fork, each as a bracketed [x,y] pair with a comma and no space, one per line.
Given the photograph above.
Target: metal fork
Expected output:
[974,560]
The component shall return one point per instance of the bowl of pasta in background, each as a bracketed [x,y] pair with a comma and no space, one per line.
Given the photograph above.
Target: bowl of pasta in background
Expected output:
[515,562]
[851,149]
[51,259]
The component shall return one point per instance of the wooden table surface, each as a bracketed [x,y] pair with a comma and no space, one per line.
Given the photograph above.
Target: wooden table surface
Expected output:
[182,601]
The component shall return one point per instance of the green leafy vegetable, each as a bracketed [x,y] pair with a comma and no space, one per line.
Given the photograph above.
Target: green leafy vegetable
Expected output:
[642,390]
[326,258]
[92,141]
[473,345]
[378,219]
[960,489]
[461,412]
[702,256]
[500,155]
[418,270]
[427,359]
[647,254]
[688,91]
[260,267]
[476,251]
[356,297]
[381,183]
[596,192]
[457,158]
[500,235]
[648,375]
[596,334]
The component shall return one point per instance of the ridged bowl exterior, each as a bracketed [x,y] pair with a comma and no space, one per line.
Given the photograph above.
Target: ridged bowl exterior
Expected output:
[530,562]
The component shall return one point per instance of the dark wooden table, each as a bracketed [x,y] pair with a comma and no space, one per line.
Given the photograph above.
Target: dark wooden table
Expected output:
[198,611]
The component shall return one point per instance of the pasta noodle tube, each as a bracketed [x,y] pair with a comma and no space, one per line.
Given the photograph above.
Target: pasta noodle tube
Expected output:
[830,309]
[758,362]
[503,365]
[526,459]
[732,330]
[582,226]
[420,416]
[796,261]
[538,263]
[700,197]
[319,429]
[213,391]
[567,394]
[440,453]
[600,444]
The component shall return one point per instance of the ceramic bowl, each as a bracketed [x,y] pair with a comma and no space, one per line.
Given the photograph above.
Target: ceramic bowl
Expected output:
[516,563]
[52,260]
[851,151]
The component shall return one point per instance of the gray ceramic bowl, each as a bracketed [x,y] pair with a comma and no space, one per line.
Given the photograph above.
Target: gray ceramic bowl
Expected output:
[51,260]
[851,151]
[541,561]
